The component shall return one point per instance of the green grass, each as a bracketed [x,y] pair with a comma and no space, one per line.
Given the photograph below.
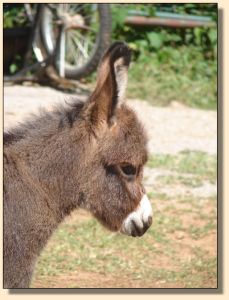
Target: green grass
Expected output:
[190,162]
[199,232]
[194,181]
[197,270]
[174,74]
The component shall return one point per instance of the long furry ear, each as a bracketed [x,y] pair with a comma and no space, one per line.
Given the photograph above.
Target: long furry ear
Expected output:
[111,82]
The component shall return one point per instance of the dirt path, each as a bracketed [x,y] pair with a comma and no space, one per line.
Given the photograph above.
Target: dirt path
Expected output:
[170,129]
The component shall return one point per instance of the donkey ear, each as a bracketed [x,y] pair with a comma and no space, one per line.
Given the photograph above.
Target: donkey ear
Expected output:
[111,82]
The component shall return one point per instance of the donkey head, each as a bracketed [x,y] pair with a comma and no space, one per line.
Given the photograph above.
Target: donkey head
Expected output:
[118,150]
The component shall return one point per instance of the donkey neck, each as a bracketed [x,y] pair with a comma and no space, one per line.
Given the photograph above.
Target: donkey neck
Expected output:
[47,159]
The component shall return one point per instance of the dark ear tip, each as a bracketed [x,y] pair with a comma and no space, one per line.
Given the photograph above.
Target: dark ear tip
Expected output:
[118,50]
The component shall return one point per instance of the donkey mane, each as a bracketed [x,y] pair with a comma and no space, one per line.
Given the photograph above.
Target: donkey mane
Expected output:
[59,118]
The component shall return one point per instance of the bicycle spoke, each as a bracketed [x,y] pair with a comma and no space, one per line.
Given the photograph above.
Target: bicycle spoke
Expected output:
[62,55]
[80,47]
[71,50]
[72,55]
[79,35]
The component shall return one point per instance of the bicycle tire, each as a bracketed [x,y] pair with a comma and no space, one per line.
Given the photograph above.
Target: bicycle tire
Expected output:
[103,39]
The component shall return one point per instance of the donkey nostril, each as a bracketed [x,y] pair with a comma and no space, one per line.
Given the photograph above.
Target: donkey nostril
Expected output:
[136,231]
[150,220]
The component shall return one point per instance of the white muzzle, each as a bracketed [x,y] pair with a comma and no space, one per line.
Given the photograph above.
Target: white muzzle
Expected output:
[137,222]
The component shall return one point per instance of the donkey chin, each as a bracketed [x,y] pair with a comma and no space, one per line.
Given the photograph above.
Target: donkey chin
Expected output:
[137,222]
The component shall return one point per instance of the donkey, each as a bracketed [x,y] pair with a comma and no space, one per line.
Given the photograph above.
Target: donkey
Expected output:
[87,155]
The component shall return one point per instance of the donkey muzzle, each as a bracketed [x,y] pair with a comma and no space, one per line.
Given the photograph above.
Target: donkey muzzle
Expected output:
[137,222]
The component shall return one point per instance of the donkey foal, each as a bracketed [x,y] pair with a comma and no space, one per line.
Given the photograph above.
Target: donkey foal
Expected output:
[88,155]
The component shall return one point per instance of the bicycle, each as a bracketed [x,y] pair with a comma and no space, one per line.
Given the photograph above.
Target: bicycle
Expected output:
[66,39]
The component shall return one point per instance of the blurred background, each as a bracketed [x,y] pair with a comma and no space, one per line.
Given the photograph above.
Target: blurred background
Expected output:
[176,44]
[51,52]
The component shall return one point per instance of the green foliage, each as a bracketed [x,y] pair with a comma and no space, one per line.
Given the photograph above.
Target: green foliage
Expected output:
[14,16]
[174,74]
[179,64]
[155,40]
[157,37]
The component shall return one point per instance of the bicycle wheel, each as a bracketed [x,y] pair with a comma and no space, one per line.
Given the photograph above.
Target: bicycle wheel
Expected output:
[83,41]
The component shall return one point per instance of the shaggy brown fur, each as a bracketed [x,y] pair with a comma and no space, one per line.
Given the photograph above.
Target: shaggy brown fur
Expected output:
[89,155]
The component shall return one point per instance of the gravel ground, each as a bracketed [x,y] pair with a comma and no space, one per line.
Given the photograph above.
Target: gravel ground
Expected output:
[170,129]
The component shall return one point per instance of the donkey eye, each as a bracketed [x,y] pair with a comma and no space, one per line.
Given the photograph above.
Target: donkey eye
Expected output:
[129,170]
